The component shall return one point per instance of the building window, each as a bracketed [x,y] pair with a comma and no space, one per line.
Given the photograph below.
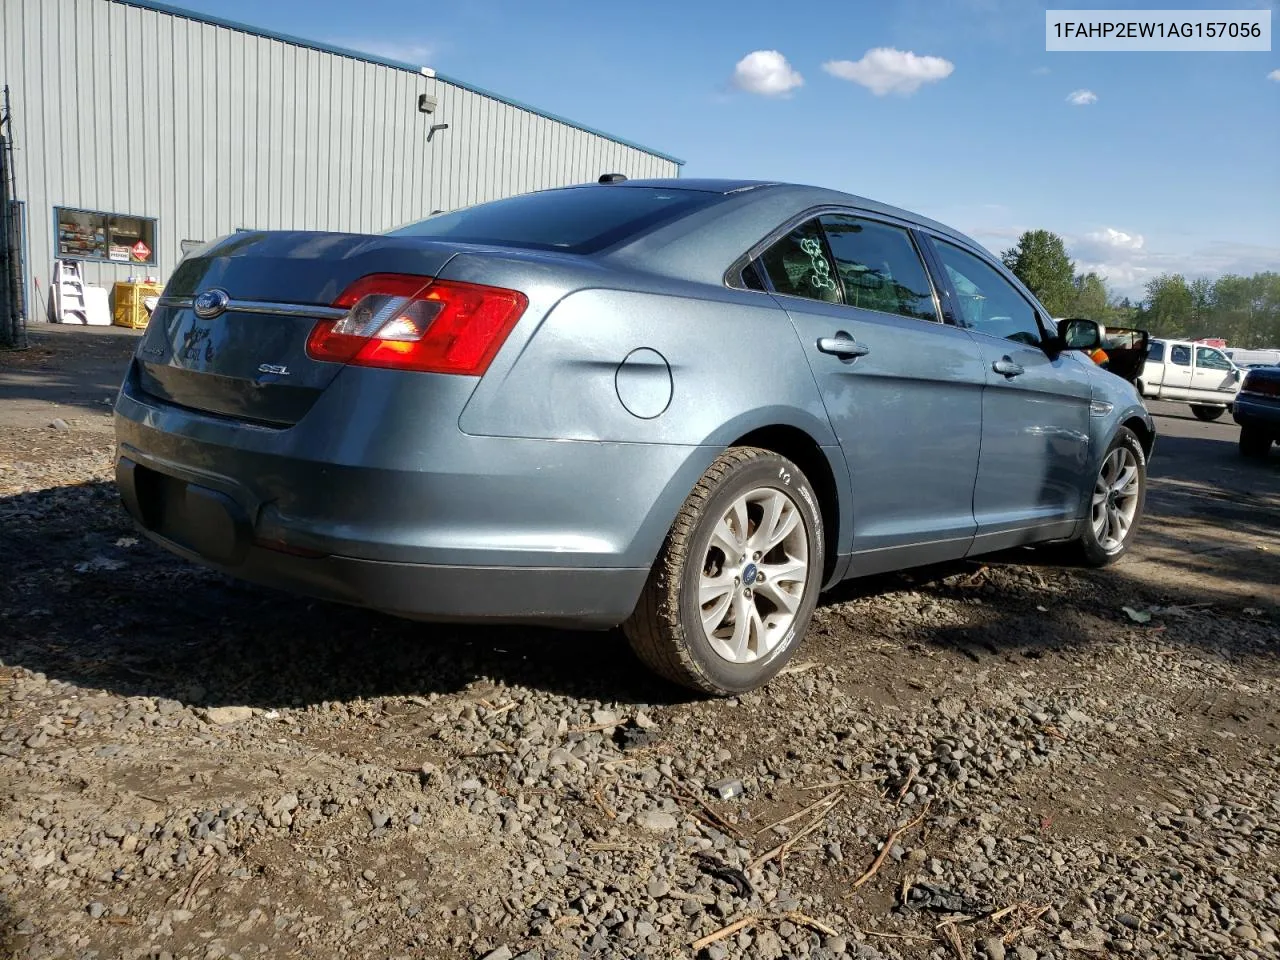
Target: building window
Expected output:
[113,237]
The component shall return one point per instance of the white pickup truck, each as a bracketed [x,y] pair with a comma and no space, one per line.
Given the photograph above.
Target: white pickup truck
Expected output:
[1197,374]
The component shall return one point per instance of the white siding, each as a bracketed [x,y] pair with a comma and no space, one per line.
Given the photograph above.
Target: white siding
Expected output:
[206,128]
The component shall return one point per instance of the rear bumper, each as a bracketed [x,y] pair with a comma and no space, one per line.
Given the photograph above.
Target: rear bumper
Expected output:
[1254,411]
[407,515]
[217,534]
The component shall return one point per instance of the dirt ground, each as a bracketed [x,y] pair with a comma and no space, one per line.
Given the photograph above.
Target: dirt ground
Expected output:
[1082,763]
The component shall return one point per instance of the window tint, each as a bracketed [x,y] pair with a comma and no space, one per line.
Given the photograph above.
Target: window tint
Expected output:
[1181,356]
[1210,359]
[988,302]
[751,277]
[798,265]
[575,220]
[1156,352]
[879,267]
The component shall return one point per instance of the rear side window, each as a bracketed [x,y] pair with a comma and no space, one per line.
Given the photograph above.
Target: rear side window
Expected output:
[574,220]
[1155,352]
[1181,356]
[879,267]
[798,265]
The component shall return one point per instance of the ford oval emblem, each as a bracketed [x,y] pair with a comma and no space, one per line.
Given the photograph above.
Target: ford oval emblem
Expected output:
[210,304]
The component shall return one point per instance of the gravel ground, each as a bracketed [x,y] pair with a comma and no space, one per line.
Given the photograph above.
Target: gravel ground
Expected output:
[195,767]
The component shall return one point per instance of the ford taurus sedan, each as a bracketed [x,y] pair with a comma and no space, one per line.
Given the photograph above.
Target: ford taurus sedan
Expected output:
[681,406]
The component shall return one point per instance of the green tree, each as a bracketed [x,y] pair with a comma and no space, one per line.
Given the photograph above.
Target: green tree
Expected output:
[1124,312]
[1170,306]
[1091,298]
[1039,259]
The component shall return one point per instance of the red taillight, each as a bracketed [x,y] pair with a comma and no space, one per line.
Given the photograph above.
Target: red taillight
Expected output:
[418,323]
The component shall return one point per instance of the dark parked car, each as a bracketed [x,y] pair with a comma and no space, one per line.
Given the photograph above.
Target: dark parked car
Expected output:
[1257,410]
[681,406]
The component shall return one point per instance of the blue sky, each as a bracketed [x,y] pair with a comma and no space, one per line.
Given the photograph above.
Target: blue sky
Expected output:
[1166,162]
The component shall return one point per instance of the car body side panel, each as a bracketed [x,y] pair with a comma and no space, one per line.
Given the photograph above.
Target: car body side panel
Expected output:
[1116,402]
[646,367]
[642,367]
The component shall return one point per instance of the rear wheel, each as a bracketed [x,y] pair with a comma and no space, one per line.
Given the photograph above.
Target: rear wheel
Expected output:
[1207,413]
[1119,494]
[1255,443]
[733,590]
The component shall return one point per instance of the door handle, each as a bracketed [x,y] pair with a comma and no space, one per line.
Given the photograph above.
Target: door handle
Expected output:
[843,346]
[1007,367]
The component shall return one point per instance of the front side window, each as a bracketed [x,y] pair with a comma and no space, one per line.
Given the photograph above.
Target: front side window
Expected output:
[1155,352]
[798,265]
[1209,359]
[879,267]
[1181,356]
[988,303]
[117,238]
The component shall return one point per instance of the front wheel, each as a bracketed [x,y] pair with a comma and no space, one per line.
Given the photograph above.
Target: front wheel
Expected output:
[733,590]
[1119,494]
[1207,413]
[1254,443]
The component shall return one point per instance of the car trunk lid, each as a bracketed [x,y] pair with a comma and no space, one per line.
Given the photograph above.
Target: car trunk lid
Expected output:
[229,335]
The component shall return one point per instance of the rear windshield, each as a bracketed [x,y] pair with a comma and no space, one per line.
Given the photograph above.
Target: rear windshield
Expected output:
[574,220]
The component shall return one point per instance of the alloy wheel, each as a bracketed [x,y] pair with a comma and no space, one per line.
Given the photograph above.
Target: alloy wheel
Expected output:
[754,575]
[1115,499]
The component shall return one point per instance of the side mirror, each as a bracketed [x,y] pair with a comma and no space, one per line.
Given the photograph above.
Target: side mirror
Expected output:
[1080,334]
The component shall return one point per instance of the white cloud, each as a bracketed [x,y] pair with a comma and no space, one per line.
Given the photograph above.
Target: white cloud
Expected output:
[1118,239]
[1081,98]
[1128,268]
[767,73]
[414,52]
[1274,75]
[886,70]
[1127,260]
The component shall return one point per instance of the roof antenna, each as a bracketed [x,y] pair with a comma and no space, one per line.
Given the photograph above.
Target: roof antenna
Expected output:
[612,178]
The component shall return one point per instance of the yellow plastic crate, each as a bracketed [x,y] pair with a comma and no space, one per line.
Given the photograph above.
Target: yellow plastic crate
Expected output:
[130,310]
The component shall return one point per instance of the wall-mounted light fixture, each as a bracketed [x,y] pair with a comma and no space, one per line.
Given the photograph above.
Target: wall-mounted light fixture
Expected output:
[426,103]
[434,127]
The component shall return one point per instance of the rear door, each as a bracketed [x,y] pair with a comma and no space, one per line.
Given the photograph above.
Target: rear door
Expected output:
[902,389]
[1213,376]
[1035,407]
[1177,372]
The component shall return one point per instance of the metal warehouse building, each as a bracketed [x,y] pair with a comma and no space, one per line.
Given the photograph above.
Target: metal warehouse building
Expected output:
[140,130]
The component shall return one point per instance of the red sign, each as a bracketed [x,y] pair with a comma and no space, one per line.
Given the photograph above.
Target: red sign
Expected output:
[141,251]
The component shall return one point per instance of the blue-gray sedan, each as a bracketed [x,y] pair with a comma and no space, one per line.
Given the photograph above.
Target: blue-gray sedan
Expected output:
[682,406]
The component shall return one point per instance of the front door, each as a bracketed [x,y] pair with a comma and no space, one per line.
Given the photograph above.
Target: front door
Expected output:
[1213,377]
[902,389]
[1035,409]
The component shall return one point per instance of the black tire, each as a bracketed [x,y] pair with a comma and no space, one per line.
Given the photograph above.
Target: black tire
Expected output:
[1087,547]
[1254,443]
[1207,413]
[666,631]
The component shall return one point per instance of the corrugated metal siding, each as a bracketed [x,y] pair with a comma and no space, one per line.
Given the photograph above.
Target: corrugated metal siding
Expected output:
[207,129]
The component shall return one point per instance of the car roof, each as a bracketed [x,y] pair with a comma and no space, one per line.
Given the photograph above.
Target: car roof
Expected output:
[804,194]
